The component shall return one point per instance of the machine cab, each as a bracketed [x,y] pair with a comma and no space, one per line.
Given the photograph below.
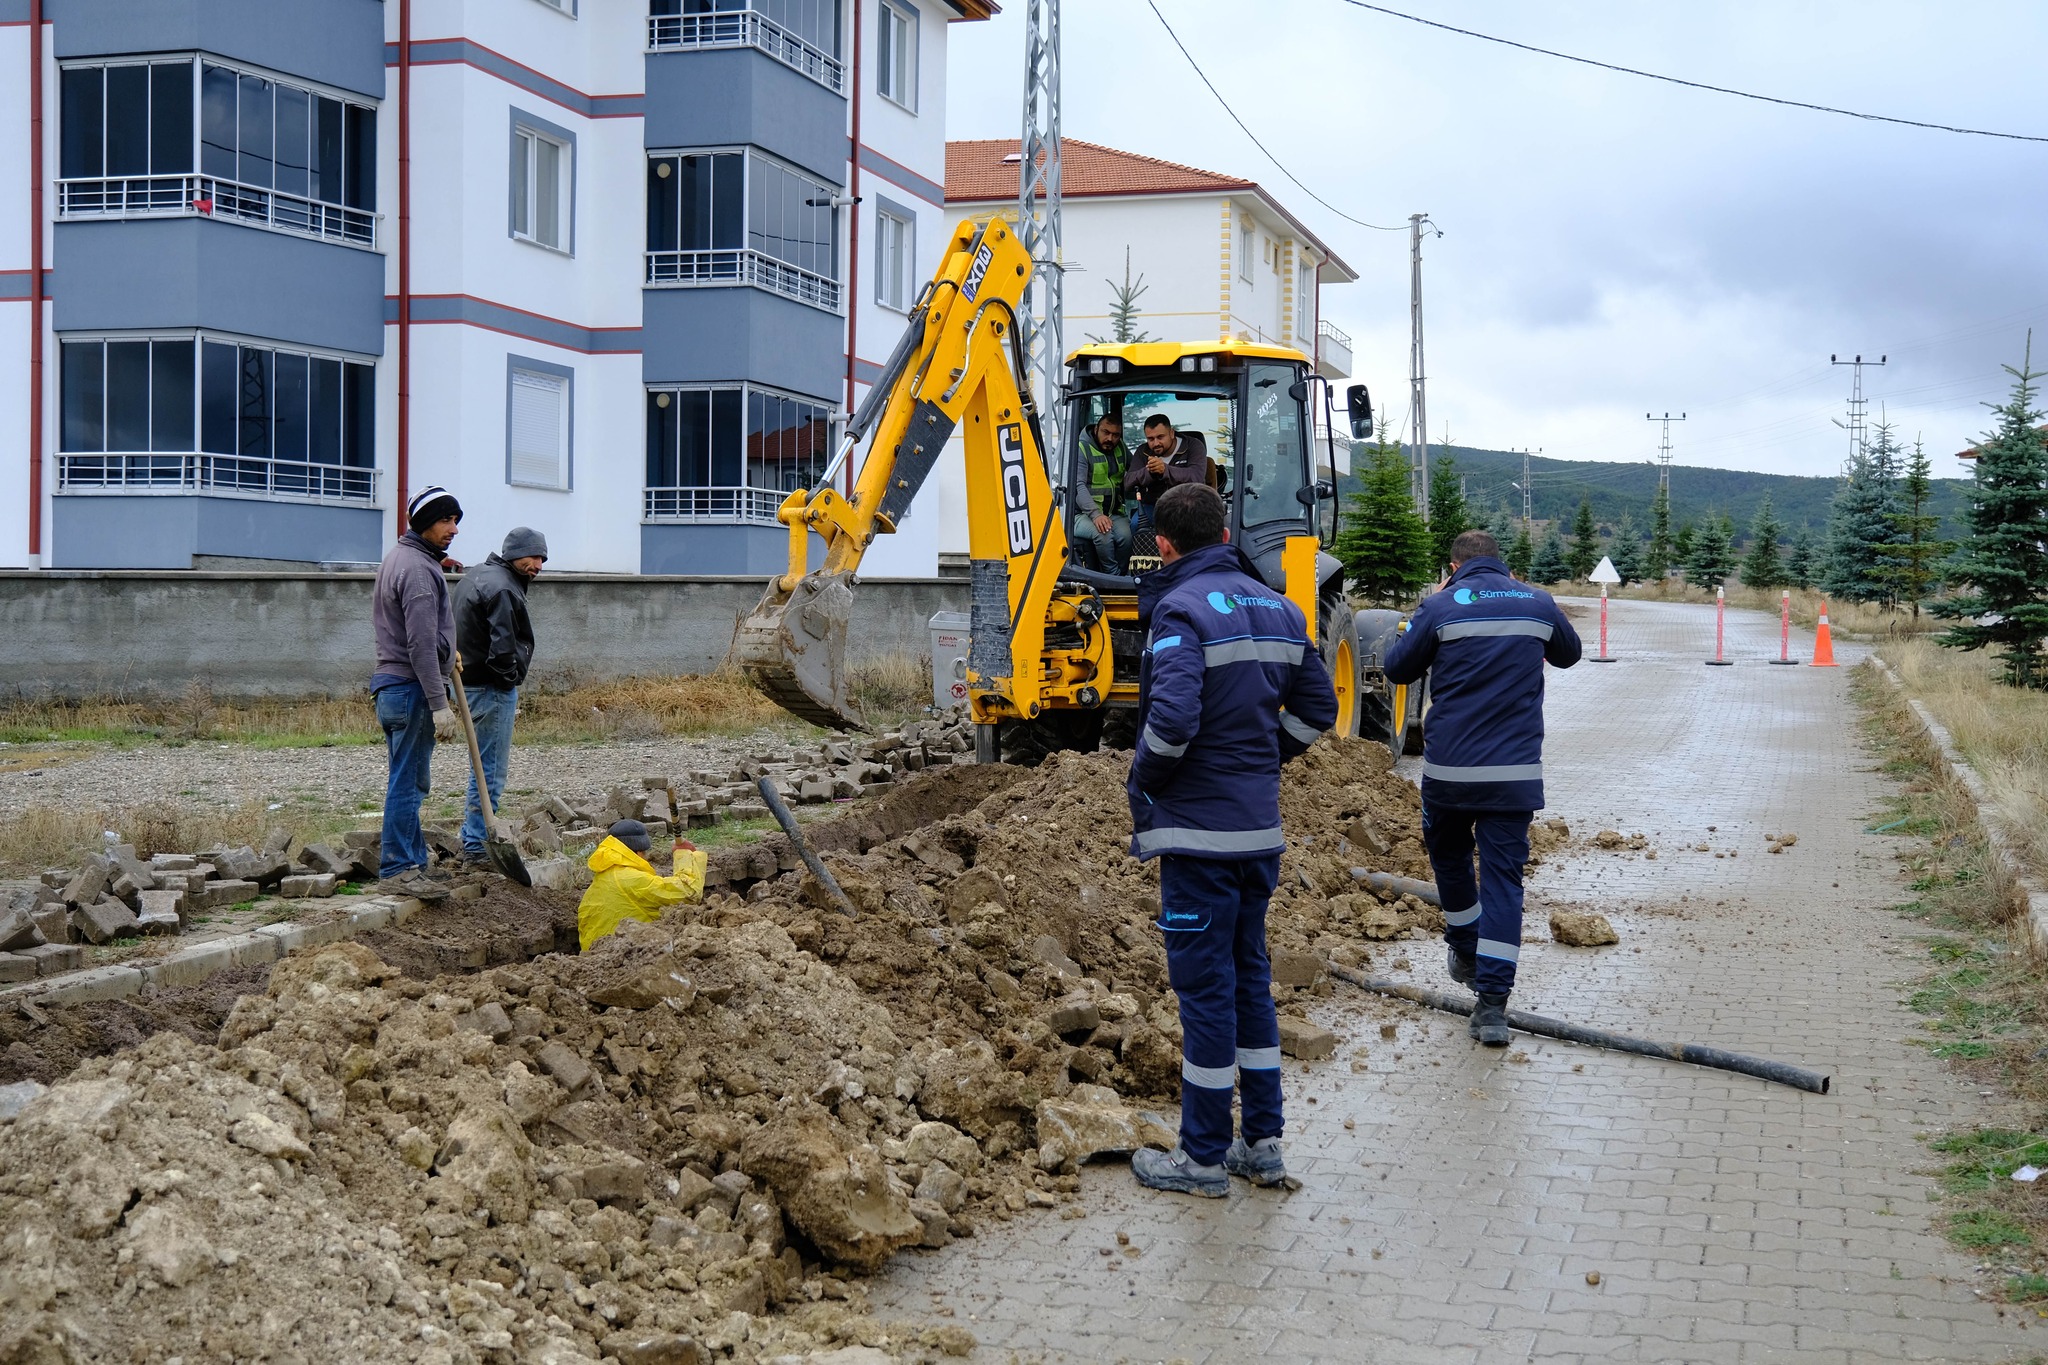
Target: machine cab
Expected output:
[1233,415]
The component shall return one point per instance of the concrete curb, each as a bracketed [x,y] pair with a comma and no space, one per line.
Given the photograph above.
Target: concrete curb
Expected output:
[190,966]
[1991,818]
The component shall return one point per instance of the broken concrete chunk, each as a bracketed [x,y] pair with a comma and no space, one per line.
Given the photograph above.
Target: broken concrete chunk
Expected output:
[88,885]
[168,1244]
[1309,1042]
[491,1019]
[1581,929]
[308,886]
[161,912]
[18,930]
[103,922]
[1047,950]
[1074,1014]
[571,1071]
[265,1136]
[53,959]
[1296,969]
[16,968]
[1071,1132]
[17,1097]
[220,894]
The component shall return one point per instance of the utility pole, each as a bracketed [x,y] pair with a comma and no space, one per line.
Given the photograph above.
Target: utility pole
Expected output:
[1664,450]
[1418,450]
[1854,426]
[1525,488]
[1038,218]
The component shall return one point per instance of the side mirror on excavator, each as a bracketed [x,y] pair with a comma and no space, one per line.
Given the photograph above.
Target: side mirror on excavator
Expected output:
[1359,402]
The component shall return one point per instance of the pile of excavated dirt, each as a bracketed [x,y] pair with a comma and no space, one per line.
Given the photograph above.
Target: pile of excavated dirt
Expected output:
[689,1141]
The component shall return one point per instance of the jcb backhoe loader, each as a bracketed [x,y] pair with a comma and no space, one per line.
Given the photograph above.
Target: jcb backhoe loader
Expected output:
[1055,646]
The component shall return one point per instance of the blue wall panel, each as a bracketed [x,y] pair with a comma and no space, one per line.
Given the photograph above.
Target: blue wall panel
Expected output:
[729,550]
[729,335]
[203,272]
[738,96]
[337,42]
[159,532]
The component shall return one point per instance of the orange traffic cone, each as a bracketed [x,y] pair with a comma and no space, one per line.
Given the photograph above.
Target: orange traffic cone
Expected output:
[1823,640]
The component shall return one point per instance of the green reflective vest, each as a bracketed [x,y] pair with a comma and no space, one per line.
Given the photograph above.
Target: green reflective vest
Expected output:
[1105,474]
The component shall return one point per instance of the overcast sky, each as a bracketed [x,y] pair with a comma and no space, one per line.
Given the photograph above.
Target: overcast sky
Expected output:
[1614,245]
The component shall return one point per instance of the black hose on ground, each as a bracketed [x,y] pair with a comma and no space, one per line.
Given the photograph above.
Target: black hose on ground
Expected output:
[1759,1067]
[811,860]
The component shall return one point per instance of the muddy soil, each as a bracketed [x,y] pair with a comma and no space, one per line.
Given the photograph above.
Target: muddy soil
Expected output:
[704,1129]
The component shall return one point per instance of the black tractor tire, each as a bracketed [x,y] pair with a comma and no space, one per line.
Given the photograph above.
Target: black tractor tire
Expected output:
[1337,636]
[1026,743]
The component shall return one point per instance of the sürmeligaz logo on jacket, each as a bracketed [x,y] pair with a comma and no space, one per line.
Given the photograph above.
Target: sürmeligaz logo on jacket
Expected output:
[1465,597]
[1227,603]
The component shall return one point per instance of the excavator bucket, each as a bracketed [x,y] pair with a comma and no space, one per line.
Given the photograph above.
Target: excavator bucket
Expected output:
[793,646]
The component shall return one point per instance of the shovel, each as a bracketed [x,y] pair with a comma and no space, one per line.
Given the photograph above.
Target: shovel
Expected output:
[498,844]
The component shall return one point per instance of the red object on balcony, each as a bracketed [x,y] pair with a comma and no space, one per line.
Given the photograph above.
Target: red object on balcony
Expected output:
[203,205]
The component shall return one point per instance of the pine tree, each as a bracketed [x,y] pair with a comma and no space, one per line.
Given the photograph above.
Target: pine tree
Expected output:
[1658,554]
[1860,526]
[1502,525]
[1681,547]
[1384,545]
[1550,565]
[1584,551]
[1713,552]
[1447,511]
[1625,549]
[1521,555]
[1123,307]
[1799,560]
[1912,562]
[2003,559]
[1761,567]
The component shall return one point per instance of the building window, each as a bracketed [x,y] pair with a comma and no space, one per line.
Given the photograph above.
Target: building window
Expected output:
[895,256]
[567,7]
[1305,304]
[539,398]
[201,411]
[268,152]
[1247,241]
[741,218]
[896,53]
[803,34]
[543,182]
[731,454]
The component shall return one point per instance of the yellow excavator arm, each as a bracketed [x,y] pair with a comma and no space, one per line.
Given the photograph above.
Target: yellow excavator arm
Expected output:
[959,367]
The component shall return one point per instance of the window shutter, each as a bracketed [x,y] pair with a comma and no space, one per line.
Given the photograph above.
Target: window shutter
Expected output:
[540,429]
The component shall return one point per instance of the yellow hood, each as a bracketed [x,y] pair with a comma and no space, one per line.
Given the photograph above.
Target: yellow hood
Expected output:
[611,854]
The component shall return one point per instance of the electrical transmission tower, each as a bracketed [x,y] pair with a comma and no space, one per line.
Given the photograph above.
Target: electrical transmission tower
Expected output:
[1525,490]
[1664,450]
[1042,317]
[1854,426]
[1418,450]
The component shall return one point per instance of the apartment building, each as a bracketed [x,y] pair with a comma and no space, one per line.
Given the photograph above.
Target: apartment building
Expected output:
[612,268]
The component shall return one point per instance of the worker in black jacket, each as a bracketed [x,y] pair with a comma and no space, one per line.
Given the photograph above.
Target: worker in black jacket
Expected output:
[495,637]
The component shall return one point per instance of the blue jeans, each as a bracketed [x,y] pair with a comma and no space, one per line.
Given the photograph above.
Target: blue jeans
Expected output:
[1483,914]
[1216,961]
[491,710]
[408,724]
[1105,551]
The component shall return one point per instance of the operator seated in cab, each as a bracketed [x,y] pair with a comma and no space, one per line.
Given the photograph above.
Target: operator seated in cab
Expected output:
[1102,533]
[1167,458]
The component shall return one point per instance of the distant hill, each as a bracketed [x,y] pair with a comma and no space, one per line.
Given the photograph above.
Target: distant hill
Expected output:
[1615,489]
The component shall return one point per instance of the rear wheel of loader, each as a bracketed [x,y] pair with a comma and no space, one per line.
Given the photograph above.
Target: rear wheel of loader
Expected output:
[1337,630]
[1027,742]
[1418,699]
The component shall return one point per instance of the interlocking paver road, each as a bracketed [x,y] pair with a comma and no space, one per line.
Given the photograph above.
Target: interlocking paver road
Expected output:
[1455,1200]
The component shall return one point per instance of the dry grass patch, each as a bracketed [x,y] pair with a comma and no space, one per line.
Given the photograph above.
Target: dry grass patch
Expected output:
[40,837]
[2003,731]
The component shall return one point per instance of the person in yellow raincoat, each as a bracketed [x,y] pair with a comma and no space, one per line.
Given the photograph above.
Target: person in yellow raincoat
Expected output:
[626,885]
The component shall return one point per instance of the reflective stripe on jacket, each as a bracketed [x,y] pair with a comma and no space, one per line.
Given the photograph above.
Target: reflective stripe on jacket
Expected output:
[1225,654]
[1103,493]
[1483,639]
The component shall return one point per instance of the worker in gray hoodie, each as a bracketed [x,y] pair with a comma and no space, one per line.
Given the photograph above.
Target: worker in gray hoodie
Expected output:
[495,636]
[415,629]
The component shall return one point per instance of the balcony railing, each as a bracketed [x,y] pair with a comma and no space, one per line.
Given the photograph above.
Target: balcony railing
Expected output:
[692,269]
[1333,348]
[244,474]
[745,28]
[192,196]
[756,506]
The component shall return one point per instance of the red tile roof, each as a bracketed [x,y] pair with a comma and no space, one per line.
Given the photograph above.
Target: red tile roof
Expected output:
[977,172]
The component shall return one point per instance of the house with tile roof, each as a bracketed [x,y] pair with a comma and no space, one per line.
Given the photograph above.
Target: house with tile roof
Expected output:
[1219,256]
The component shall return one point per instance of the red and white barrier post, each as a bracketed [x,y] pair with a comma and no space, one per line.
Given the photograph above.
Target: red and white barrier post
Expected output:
[1720,660]
[1785,628]
[1603,657]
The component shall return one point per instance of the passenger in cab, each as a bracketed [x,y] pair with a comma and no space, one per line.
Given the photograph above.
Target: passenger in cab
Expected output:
[1168,458]
[1102,533]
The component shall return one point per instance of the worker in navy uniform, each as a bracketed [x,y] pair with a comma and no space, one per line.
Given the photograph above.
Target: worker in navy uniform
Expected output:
[1231,687]
[1483,638]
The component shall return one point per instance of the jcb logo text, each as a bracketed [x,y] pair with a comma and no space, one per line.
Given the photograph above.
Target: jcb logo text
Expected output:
[1017,512]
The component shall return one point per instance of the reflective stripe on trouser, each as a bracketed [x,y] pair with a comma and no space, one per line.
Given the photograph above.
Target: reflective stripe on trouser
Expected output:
[1224,982]
[1491,924]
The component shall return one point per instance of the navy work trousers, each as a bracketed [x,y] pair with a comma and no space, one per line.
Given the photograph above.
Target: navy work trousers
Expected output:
[1483,914]
[1214,916]
[408,724]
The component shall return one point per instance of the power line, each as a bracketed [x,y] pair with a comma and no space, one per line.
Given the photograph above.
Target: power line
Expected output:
[1254,136]
[1675,80]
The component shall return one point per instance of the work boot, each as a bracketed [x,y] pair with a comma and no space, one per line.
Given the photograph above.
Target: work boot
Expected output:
[1259,1163]
[1490,1021]
[1463,964]
[1176,1171]
[416,882]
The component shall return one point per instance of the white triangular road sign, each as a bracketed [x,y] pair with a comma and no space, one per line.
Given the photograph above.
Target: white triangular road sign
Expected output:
[1604,572]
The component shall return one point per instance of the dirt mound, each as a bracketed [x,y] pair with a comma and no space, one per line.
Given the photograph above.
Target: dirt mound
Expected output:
[696,1130]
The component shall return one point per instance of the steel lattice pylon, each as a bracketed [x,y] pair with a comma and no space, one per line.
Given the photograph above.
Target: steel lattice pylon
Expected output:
[1038,215]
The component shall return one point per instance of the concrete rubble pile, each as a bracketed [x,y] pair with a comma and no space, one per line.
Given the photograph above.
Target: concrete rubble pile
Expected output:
[689,1143]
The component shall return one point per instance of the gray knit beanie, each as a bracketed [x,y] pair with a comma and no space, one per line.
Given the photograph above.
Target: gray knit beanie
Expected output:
[522,541]
[632,834]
